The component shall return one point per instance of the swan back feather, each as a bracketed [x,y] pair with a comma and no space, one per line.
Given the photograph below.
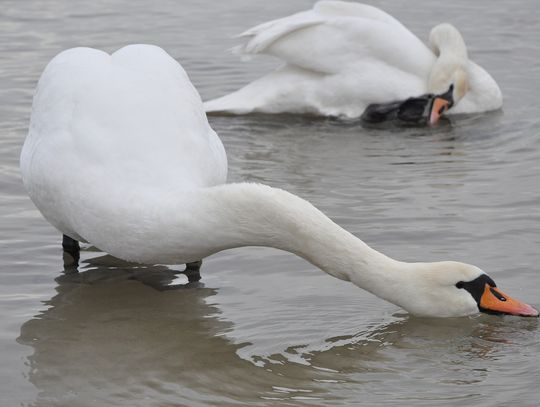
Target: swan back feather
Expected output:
[114,124]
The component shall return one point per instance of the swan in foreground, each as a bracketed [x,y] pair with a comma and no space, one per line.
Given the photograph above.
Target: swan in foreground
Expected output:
[341,57]
[120,154]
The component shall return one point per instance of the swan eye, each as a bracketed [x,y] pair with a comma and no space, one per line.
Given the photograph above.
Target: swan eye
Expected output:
[461,284]
[497,294]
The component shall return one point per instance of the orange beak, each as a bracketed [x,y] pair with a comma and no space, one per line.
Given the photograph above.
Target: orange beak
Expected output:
[495,301]
[438,107]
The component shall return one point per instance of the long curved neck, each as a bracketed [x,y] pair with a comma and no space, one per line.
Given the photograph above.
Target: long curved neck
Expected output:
[446,41]
[235,215]
[448,44]
[481,92]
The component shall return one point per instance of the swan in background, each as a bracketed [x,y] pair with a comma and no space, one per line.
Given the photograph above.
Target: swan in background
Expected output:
[341,57]
[120,154]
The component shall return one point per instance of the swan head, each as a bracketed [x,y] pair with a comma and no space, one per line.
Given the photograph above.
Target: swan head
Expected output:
[453,289]
[448,89]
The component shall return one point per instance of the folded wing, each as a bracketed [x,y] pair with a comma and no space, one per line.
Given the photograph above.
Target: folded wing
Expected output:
[335,36]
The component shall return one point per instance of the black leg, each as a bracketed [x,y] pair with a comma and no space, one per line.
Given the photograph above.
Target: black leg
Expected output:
[71,251]
[192,271]
[70,245]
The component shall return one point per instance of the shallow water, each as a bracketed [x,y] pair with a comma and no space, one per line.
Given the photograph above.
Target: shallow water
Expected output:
[265,328]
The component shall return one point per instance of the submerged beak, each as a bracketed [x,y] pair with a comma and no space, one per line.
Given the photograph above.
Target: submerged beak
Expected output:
[494,301]
[438,107]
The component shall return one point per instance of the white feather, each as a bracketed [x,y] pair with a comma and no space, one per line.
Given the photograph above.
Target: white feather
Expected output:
[339,58]
[120,154]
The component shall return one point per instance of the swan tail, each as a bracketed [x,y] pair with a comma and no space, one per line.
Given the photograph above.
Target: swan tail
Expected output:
[238,102]
[282,90]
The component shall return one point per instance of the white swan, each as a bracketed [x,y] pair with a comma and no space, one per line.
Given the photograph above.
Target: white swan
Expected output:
[341,57]
[120,154]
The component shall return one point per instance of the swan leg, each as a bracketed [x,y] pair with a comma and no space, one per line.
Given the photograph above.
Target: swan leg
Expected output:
[71,252]
[71,246]
[192,271]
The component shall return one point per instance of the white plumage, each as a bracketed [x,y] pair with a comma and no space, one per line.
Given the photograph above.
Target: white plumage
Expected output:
[340,57]
[120,154]
[106,132]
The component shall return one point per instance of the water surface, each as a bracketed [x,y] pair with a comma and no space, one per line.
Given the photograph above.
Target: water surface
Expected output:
[265,328]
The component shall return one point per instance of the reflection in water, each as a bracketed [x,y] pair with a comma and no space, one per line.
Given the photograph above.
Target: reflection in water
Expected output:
[120,331]
[322,158]
[466,190]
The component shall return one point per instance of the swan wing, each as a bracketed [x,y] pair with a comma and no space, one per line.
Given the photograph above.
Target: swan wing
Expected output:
[115,127]
[335,36]
[260,37]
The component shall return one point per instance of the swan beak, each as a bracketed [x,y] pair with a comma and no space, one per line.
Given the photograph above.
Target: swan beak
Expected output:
[494,301]
[438,107]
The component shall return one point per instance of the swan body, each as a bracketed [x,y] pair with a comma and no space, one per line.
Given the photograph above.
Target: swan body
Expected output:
[115,118]
[119,154]
[341,57]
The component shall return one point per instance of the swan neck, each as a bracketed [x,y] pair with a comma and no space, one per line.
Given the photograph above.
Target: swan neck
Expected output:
[447,42]
[258,215]
[450,66]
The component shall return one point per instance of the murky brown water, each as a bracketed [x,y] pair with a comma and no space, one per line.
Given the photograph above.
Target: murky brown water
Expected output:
[266,328]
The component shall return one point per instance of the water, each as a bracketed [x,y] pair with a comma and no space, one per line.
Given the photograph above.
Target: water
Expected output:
[267,328]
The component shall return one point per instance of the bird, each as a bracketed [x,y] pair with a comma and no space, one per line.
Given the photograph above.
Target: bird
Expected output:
[340,58]
[120,154]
